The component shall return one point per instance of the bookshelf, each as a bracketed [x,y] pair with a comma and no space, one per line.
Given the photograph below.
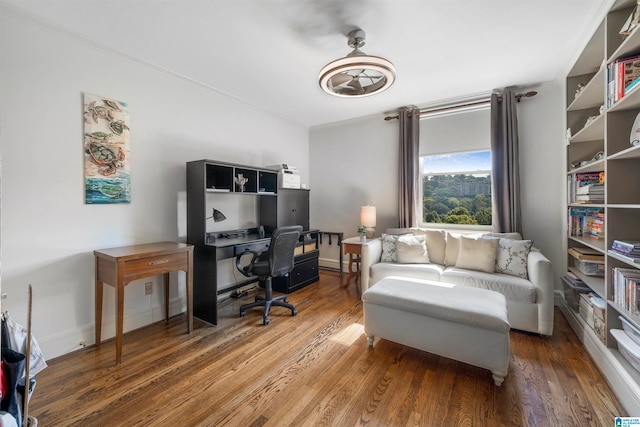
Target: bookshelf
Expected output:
[596,125]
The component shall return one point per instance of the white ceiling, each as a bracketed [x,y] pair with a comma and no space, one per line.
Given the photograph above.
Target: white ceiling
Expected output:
[269,52]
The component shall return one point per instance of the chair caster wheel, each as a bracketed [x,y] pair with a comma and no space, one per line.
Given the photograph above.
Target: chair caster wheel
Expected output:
[266,321]
[285,300]
[294,312]
[242,313]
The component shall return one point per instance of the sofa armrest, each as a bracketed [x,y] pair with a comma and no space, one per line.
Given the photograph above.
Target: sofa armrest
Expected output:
[370,254]
[541,275]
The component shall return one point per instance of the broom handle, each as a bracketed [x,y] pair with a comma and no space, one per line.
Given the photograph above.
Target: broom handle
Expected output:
[25,397]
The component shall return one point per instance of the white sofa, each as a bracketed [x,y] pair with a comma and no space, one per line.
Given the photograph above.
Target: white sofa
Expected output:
[529,300]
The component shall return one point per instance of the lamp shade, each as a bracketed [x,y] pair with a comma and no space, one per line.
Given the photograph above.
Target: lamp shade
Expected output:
[368,216]
[217,216]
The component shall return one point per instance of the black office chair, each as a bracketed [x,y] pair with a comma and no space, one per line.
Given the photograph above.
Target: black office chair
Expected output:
[278,261]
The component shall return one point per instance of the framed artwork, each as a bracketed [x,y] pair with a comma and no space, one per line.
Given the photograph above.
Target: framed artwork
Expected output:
[107,165]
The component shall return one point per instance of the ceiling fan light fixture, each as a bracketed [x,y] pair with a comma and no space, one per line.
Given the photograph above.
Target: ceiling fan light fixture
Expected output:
[357,74]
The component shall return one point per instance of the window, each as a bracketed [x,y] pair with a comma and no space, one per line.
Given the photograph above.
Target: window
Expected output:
[456,189]
[455,162]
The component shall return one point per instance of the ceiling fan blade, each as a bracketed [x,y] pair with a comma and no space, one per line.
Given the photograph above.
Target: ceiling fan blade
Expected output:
[340,79]
[355,84]
[377,85]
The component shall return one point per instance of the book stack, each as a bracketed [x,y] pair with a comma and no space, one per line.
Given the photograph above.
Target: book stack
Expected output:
[590,193]
[588,185]
[622,76]
[586,254]
[586,222]
[626,250]
[626,288]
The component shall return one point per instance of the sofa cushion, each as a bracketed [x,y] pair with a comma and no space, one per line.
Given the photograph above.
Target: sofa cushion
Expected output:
[419,271]
[477,254]
[412,250]
[513,288]
[389,250]
[512,257]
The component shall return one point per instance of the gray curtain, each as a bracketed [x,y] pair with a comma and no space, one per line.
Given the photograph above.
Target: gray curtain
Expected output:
[505,172]
[409,170]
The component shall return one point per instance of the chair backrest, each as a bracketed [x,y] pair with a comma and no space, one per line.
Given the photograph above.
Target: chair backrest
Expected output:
[281,249]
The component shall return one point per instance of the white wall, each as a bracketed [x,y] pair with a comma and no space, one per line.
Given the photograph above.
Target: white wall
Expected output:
[542,176]
[341,183]
[48,233]
[353,163]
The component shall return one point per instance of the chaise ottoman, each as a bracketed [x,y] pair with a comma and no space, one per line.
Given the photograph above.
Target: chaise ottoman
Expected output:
[459,322]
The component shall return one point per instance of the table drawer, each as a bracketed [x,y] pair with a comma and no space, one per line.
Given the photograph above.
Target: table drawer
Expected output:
[153,265]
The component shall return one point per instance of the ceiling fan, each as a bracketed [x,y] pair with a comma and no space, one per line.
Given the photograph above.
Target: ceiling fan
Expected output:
[357,74]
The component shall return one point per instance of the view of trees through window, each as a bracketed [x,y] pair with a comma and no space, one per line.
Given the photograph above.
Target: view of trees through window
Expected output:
[457,188]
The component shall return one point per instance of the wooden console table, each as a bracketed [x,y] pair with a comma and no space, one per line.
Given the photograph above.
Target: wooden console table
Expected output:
[118,267]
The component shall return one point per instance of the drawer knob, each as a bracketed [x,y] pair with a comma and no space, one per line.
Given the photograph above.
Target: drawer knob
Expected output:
[158,262]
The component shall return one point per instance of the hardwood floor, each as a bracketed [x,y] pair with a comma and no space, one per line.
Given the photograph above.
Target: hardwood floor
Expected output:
[315,369]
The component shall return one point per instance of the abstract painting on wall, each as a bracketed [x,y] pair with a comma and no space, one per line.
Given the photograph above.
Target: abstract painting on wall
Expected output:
[106,151]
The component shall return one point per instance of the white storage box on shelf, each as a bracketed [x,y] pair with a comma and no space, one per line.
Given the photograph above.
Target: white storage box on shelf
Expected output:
[629,349]
[590,268]
[632,331]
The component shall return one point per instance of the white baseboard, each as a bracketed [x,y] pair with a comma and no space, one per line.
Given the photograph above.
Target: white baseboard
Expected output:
[75,339]
[331,263]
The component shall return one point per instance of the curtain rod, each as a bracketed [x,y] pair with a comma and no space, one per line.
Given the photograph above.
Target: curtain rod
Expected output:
[468,104]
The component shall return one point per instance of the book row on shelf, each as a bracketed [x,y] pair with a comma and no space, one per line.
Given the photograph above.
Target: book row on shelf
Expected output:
[623,75]
[586,187]
[586,222]
[625,289]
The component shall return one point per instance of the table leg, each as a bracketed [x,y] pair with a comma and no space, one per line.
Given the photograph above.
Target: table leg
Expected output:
[99,292]
[190,293]
[165,282]
[351,272]
[119,320]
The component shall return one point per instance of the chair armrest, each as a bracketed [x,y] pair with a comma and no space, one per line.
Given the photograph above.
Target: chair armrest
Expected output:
[541,275]
[370,254]
[246,270]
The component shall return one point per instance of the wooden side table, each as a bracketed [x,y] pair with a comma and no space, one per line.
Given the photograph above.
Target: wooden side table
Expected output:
[353,247]
[118,267]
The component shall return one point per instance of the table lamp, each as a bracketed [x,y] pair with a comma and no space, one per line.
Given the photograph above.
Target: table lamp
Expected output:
[368,219]
[217,216]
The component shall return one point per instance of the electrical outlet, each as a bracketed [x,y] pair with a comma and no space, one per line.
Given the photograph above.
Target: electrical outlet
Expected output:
[148,288]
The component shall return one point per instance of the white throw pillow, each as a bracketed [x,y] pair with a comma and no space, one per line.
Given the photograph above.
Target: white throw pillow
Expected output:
[389,242]
[412,250]
[477,254]
[436,245]
[512,257]
[451,250]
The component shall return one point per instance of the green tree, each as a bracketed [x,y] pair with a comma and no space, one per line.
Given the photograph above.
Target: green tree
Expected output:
[459,211]
[483,217]
[453,202]
[432,216]
[440,208]
[460,219]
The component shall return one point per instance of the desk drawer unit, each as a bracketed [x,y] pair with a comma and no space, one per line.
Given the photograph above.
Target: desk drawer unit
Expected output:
[305,272]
